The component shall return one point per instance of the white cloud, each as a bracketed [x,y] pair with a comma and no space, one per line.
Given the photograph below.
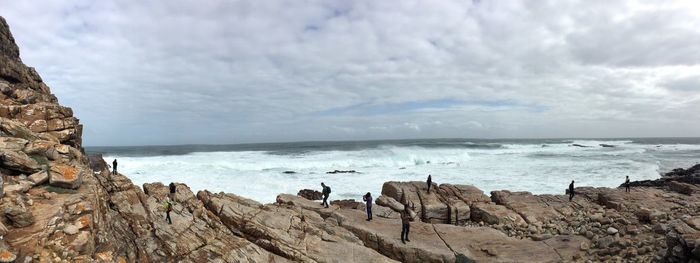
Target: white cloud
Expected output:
[170,72]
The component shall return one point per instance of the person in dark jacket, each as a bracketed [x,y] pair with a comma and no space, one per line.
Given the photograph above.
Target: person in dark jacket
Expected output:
[627,184]
[571,190]
[368,201]
[114,166]
[405,223]
[326,192]
[173,189]
[430,182]
[168,209]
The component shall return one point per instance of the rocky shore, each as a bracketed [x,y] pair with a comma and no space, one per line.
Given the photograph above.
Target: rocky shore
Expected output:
[59,205]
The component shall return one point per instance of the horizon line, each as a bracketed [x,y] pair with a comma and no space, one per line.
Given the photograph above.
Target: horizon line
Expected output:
[375,140]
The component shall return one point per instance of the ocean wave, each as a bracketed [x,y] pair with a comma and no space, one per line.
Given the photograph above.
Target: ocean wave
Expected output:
[262,174]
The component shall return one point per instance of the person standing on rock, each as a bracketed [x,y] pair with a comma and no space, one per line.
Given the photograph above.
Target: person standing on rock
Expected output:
[326,192]
[114,166]
[168,209]
[430,182]
[405,223]
[368,200]
[627,184]
[173,188]
[571,190]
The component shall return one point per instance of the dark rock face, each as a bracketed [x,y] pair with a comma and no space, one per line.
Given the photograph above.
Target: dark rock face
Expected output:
[342,172]
[7,42]
[310,194]
[680,172]
[579,145]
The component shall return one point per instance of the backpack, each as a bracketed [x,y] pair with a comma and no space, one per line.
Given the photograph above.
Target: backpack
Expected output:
[328,189]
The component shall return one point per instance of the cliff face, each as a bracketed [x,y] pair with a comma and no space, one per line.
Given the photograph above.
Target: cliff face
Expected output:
[60,206]
[26,98]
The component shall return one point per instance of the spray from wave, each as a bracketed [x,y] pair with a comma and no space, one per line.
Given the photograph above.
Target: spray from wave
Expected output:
[539,167]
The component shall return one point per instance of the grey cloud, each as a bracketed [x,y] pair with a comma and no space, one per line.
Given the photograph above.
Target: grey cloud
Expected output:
[686,84]
[171,72]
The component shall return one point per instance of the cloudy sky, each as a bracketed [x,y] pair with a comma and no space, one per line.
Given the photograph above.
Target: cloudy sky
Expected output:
[182,72]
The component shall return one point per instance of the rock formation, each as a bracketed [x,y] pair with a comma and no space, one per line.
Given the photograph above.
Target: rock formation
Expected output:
[59,205]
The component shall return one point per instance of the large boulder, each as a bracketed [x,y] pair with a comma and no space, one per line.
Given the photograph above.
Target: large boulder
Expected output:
[533,208]
[459,211]
[18,161]
[495,214]
[22,186]
[682,188]
[467,193]
[389,202]
[310,194]
[19,216]
[12,143]
[39,177]
[13,128]
[65,176]
[433,210]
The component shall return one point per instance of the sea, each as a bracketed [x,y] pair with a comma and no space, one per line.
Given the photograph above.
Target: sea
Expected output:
[541,166]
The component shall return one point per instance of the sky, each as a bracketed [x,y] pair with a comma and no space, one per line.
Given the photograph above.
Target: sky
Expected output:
[214,72]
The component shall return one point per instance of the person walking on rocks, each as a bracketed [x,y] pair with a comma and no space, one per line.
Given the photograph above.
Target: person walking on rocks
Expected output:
[368,201]
[326,192]
[571,190]
[173,188]
[405,223]
[168,209]
[430,182]
[627,184]
[114,166]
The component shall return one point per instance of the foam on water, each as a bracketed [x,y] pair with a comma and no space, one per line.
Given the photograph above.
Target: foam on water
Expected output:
[538,168]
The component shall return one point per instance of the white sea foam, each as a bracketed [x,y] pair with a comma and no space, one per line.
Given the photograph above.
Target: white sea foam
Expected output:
[521,167]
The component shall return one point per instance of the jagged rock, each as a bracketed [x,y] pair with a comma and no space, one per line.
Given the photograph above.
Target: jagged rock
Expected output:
[71,229]
[348,204]
[682,188]
[494,214]
[467,193]
[18,161]
[19,216]
[300,235]
[3,229]
[65,176]
[428,206]
[16,129]
[441,242]
[405,192]
[12,143]
[7,256]
[459,213]
[533,209]
[39,177]
[389,202]
[310,194]
[81,242]
[18,188]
